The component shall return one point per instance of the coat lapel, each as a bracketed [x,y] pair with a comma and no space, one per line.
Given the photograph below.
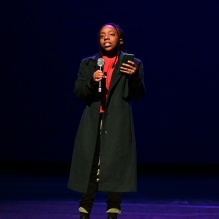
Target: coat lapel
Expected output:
[116,73]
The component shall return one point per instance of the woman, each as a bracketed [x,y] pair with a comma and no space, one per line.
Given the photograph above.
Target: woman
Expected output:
[104,156]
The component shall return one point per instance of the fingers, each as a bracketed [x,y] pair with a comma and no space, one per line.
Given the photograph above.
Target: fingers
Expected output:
[98,76]
[128,68]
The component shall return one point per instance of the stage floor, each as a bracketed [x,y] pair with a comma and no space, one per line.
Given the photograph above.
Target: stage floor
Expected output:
[159,197]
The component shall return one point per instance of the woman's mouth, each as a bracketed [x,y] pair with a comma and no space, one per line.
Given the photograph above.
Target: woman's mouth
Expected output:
[107,44]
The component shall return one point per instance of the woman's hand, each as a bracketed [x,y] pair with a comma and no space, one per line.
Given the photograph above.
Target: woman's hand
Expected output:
[129,68]
[98,75]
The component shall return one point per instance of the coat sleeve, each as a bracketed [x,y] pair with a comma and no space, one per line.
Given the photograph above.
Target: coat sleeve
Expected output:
[136,88]
[85,88]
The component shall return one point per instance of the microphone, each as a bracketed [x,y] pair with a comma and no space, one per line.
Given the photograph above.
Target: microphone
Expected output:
[100,63]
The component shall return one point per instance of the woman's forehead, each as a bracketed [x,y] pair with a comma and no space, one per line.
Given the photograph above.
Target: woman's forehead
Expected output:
[107,28]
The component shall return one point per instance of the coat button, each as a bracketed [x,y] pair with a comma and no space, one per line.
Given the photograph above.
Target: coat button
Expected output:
[105,132]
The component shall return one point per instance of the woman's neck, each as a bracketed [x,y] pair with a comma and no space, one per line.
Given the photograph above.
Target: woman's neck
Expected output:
[111,54]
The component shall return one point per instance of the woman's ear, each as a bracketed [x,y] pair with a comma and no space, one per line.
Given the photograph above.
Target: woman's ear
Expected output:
[121,41]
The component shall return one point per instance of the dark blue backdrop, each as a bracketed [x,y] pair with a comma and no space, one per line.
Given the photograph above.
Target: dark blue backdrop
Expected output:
[44,42]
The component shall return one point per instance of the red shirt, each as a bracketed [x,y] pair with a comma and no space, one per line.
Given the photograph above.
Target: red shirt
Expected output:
[109,66]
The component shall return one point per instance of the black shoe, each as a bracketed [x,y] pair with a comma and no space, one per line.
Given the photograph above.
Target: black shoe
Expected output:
[84,216]
[112,216]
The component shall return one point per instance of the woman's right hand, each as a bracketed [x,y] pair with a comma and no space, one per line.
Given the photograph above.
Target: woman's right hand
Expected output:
[98,75]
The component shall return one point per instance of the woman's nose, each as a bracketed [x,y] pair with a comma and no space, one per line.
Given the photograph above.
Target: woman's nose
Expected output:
[106,36]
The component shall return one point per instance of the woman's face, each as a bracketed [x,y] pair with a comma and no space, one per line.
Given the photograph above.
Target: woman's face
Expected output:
[109,39]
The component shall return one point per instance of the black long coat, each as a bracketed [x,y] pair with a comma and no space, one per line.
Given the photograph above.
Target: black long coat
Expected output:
[118,148]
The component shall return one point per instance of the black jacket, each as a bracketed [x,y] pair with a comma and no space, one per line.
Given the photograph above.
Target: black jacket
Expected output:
[118,149]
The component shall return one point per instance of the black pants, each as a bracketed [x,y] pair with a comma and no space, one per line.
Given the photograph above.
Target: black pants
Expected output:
[114,199]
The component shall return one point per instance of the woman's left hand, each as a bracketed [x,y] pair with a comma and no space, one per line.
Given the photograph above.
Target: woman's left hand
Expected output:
[129,68]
